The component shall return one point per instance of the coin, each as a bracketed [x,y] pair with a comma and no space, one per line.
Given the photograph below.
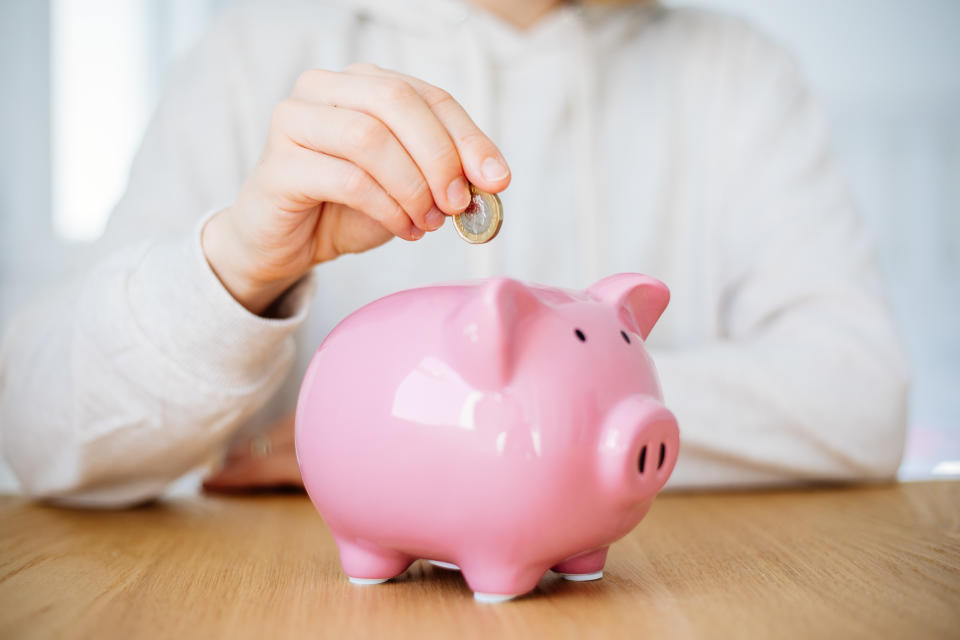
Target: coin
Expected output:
[481,220]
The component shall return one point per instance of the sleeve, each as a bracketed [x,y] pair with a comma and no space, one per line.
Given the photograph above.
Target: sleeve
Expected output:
[118,382]
[808,380]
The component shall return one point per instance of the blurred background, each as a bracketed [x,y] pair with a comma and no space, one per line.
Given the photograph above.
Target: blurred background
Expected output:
[79,79]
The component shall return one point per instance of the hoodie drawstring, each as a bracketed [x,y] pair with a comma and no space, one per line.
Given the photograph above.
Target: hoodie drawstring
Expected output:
[590,205]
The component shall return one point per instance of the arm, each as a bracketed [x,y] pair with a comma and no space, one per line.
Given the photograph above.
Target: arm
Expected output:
[128,376]
[808,380]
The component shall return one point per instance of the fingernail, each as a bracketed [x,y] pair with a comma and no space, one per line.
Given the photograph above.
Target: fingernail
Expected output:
[416,233]
[457,194]
[434,219]
[493,169]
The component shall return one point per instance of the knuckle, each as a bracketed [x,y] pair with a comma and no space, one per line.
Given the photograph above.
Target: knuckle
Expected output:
[420,192]
[396,90]
[361,67]
[366,133]
[445,157]
[307,79]
[476,140]
[282,112]
[418,197]
[355,183]
[273,172]
[437,97]
[398,217]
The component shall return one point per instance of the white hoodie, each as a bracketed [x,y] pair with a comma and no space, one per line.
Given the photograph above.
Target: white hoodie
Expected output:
[670,142]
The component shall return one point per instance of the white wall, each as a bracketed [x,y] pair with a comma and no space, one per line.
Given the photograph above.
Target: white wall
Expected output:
[56,77]
[25,150]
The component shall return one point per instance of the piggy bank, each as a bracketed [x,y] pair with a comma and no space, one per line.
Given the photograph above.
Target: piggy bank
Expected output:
[502,428]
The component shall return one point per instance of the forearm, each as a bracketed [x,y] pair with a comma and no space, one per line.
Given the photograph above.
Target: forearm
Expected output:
[819,395]
[115,387]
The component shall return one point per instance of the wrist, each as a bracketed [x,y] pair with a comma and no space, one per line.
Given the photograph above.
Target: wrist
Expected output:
[226,256]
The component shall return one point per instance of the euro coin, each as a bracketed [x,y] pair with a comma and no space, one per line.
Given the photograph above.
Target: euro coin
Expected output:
[481,220]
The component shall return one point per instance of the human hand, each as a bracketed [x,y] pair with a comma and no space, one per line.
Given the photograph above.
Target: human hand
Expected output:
[268,460]
[352,158]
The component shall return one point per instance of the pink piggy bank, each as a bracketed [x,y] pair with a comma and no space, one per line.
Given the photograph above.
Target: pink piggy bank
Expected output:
[496,427]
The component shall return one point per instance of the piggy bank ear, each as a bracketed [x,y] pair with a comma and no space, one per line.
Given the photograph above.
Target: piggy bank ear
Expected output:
[639,299]
[481,335]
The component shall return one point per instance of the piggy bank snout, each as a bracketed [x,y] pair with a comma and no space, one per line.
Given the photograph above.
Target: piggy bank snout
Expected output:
[638,448]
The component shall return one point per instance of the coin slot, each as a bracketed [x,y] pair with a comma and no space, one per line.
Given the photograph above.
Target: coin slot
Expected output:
[625,336]
[580,335]
[643,458]
[663,454]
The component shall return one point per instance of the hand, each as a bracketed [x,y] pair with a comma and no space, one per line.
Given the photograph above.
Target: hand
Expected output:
[352,159]
[266,461]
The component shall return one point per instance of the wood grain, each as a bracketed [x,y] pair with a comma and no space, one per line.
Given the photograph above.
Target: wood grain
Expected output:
[854,562]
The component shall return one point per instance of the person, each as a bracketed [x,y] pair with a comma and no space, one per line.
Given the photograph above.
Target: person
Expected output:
[302,136]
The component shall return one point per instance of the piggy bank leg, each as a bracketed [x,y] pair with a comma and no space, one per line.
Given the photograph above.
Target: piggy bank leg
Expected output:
[587,566]
[494,583]
[366,563]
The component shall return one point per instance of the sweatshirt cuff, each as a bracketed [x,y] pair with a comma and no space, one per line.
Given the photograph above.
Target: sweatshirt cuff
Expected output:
[187,313]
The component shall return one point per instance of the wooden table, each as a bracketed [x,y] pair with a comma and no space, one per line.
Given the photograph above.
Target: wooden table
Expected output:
[854,562]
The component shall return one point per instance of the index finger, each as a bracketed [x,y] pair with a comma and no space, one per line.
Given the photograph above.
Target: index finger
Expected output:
[482,161]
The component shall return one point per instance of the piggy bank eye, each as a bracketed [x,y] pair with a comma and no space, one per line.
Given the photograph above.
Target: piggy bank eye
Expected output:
[625,336]
[580,335]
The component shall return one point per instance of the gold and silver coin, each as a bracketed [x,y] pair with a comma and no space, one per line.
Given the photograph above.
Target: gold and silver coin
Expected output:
[481,220]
